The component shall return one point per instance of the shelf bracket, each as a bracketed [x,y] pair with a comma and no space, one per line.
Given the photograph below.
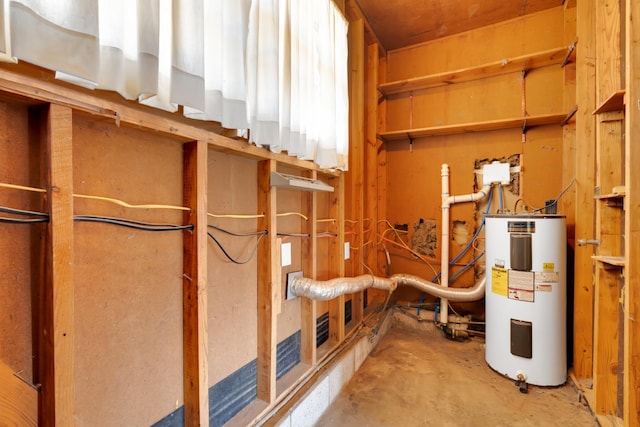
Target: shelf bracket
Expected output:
[567,56]
[569,116]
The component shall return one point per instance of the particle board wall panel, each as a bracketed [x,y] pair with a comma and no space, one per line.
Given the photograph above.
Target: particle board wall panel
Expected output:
[128,283]
[512,38]
[478,100]
[16,344]
[414,181]
[232,288]
[290,200]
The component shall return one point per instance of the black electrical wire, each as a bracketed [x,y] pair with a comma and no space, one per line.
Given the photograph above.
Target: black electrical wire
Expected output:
[232,233]
[294,234]
[137,225]
[23,221]
[234,260]
[22,212]
[40,217]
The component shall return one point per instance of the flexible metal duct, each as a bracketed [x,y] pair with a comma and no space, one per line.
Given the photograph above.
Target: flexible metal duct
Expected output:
[323,290]
[474,293]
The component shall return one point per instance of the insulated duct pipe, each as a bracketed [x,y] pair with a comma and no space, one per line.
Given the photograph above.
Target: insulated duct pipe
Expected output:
[323,290]
[447,201]
[474,293]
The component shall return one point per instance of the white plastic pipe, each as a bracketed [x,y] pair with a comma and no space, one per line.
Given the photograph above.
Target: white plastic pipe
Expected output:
[447,201]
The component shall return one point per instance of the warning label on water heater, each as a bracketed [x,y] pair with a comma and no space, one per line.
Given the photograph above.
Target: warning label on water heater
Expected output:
[499,280]
[521,285]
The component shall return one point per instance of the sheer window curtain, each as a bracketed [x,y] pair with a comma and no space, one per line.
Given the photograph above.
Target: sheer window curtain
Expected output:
[275,67]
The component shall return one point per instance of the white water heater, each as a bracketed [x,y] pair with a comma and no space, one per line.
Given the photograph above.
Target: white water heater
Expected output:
[526,297]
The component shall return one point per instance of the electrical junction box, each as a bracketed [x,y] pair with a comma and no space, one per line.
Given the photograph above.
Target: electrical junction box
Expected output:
[496,172]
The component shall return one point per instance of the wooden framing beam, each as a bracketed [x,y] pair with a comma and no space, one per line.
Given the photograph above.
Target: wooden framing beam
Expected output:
[309,307]
[631,386]
[57,397]
[336,257]
[356,153]
[370,251]
[38,83]
[585,179]
[194,291]
[267,288]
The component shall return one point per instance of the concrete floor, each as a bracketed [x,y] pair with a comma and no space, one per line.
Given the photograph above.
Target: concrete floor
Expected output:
[416,377]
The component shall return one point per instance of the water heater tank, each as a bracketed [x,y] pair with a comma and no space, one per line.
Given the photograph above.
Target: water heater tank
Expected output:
[526,297]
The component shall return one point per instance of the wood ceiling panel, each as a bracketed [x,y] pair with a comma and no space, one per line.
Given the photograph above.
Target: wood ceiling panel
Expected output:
[406,22]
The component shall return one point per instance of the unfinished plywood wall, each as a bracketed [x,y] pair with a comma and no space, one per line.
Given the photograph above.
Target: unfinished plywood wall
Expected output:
[232,295]
[414,165]
[128,283]
[19,164]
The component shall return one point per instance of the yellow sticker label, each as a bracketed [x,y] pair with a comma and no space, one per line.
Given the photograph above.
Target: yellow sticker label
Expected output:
[549,266]
[499,281]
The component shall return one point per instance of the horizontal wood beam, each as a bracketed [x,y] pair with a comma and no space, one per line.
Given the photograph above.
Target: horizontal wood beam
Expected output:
[39,84]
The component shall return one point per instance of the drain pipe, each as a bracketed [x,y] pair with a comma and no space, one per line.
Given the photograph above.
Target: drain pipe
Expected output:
[447,201]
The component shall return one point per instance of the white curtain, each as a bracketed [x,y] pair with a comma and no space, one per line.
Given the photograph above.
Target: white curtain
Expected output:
[275,67]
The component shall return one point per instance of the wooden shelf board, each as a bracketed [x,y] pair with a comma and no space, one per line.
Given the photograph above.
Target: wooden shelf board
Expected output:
[504,66]
[610,196]
[518,122]
[618,261]
[615,102]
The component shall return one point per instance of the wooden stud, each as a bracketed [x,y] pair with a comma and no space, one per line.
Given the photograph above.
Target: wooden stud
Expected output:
[267,292]
[356,154]
[370,251]
[585,209]
[336,259]
[567,202]
[194,291]
[631,387]
[57,398]
[308,307]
